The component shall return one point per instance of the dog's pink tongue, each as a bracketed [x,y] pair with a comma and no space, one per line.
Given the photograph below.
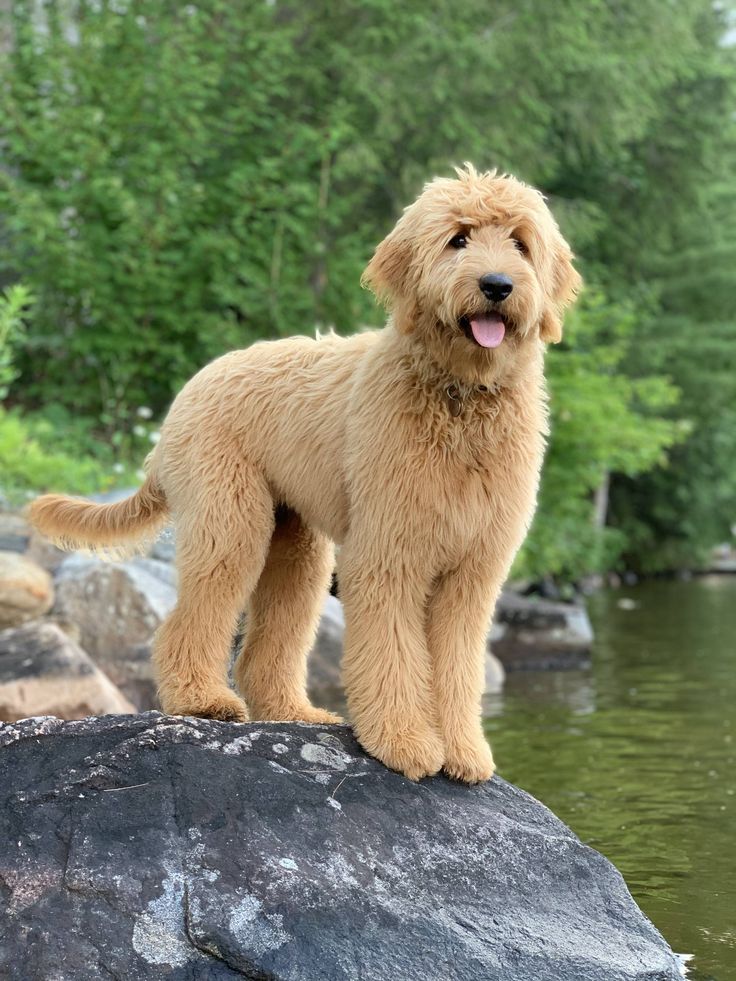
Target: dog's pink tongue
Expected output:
[488,331]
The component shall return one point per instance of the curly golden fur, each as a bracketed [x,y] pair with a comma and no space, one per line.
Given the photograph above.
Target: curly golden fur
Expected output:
[417,448]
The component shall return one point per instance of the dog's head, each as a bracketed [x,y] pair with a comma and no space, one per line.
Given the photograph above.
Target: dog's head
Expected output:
[477,270]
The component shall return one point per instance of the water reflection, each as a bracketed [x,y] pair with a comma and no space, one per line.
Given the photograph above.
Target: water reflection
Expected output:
[638,755]
[572,690]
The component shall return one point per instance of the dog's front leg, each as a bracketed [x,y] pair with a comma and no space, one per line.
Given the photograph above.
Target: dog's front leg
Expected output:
[459,615]
[386,666]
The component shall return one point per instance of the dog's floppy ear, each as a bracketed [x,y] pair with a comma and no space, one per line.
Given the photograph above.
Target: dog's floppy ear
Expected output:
[566,284]
[388,273]
[385,274]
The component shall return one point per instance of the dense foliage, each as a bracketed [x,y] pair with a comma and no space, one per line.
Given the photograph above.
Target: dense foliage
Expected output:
[179,179]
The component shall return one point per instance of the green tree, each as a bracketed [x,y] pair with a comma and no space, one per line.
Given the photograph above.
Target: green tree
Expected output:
[180,179]
[15,304]
[604,423]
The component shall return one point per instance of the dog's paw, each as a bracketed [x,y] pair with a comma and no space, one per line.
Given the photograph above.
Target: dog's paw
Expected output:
[297,713]
[415,754]
[471,763]
[317,716]
[224,705]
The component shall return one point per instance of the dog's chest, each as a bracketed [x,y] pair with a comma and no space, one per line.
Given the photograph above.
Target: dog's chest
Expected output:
[483,470]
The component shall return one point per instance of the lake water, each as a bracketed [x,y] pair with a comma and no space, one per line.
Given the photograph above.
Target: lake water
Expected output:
[638,755]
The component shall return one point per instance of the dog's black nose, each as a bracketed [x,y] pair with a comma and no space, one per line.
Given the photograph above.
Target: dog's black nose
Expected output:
[495,286]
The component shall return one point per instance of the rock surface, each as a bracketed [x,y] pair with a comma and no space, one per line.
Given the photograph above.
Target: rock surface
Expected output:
[535,634]
[44,672]
[26,590]
[153,847]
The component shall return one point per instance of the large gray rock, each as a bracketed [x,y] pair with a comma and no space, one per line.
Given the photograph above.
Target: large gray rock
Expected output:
[44,672]
[155,847]
[45,553]
[116,607]
[16,535]
[536,634]
[26,590]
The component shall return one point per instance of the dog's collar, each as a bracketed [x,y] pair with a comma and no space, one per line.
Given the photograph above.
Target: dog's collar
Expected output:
[456,394]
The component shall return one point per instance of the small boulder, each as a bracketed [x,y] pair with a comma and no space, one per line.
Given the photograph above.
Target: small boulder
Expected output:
[44,672]
[149,847]
[15,532]
[26,590]
[135,670]
[44,552]
[537,634]
[116,608]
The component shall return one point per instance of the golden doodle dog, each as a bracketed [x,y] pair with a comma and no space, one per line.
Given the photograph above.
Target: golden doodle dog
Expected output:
[417,448]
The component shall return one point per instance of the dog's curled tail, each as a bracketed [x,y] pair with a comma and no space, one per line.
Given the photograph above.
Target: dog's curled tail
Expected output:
[113,529]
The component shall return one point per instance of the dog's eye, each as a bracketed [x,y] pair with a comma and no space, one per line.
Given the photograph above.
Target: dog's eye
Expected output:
[520,246]
[459,241]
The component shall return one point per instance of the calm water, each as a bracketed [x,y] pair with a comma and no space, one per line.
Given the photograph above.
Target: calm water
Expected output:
[638,755]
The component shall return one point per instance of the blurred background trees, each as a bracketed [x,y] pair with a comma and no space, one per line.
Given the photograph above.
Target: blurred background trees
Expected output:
[180,179]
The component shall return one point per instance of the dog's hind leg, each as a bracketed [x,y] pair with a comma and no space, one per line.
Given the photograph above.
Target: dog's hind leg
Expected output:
[283,614]
[224,520]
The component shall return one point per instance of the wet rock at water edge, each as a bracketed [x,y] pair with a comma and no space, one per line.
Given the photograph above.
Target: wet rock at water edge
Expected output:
[534,634]
[150,847]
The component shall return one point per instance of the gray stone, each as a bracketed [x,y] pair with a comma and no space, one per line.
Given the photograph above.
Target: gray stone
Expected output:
[15,532]
[44,672]
[16,535]
[26,590]
[116,608]
[44,552]
[536,634]
[137,677]
[155,847]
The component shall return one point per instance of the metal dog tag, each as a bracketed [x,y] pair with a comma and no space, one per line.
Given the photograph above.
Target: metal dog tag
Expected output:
[454,402]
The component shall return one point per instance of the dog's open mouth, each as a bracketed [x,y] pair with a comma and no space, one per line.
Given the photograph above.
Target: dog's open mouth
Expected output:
[484,329]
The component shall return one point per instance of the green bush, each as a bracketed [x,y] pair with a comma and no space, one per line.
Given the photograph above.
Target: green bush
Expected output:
[15,303]
[30,463]
[55,450]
